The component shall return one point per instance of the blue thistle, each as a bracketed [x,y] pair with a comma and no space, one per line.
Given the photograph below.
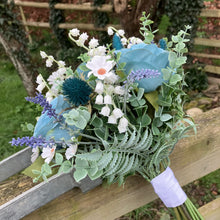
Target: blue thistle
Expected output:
[163,44]
[76,91]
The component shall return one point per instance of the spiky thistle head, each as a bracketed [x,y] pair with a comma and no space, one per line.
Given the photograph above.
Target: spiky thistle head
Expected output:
[76,91]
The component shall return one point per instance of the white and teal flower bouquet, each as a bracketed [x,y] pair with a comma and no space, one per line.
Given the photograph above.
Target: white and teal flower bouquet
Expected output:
[119,113]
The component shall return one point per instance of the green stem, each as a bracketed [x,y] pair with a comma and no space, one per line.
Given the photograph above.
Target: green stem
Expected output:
[182,213]
[195,209]
[186,212]
[191,210]
[177,213]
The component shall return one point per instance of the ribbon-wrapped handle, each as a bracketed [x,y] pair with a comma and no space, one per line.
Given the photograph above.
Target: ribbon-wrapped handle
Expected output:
[168,189]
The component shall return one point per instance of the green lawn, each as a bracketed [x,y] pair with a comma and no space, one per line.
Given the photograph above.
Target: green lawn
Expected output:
[14,109]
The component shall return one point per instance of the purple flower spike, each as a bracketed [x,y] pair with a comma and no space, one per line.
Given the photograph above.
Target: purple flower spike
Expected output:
[30,141]
[39,99]
[143,74]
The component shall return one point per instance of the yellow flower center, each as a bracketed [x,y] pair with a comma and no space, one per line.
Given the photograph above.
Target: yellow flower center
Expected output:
[101,71]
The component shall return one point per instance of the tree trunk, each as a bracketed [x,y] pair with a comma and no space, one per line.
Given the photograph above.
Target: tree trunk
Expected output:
[14,41]
[24,71]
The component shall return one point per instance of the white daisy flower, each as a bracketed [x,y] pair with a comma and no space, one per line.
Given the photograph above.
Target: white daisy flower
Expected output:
[117,112]
[48,153]
[35,154]
[74,32]
[93,43]
[100,66]
[71,151]
[105,111]
[123,124]
[99,87]
[108,100]
[99,99]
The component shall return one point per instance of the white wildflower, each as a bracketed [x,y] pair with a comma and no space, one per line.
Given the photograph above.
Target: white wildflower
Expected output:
[74,32]
[61,71]
[99,87]
[121,33]
[105,111]
[48,153]
[83,37]
[110,31]
[71,151]
[98,51]
[108,100]
[100,66]
[124,41]
[93,43]
[123,124]
[119,90]
[35,154]
[61,63]
[49,61]
[39,79]
[99,99]
[112,119]
[110,89]
[43,54]
[49,96]
[40,87]
[117,112]
[111,78]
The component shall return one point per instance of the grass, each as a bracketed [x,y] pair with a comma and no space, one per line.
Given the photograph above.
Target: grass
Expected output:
[14,109]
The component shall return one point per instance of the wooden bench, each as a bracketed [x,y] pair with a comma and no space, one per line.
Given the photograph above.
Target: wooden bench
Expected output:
[192,158]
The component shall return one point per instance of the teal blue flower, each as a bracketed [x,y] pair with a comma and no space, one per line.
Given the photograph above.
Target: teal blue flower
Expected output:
[48,127]
[145,56]
[76,91]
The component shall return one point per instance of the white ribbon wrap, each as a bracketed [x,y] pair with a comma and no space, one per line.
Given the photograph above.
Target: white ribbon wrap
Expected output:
[168,189]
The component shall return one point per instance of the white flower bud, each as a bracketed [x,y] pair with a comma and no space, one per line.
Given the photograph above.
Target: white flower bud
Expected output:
[105,111]
[111,78]
[121,32]
[119,90]
[43,54]
[40,87]
[123,124]
[61,63]
[74,32]
[108,100]
[110,31]
[117,113]
[124,41]
[93,43]
[112,119]
[39,79]
[99,87]
[99,99]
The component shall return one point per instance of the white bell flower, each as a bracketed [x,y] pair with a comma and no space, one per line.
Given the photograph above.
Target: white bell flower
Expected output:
[110,31]
[43,54]
[119,90]
[123,124]
[99,87]
[74,32]
[117,112]
[71,151]
[108,100]
[105,111]
[112,119]
[93,43]
[35,154]
[99,100]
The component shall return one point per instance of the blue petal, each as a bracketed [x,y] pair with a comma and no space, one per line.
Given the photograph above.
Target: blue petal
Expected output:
[47,127]
[117,42]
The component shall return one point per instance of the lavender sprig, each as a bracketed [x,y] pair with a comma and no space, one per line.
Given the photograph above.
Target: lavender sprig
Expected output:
[142,74]
[31,141]
[47,107]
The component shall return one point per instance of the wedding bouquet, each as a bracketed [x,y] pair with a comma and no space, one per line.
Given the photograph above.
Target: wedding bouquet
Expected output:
[119,113]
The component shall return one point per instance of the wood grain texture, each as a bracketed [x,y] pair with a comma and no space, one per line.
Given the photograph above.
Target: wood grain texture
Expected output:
[211,211]
[192,158]
[207,42]
[212,69]
[211,13]
[205,55]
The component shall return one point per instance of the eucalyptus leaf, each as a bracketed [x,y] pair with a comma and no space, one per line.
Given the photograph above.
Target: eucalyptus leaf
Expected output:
[165,117]
[80,174]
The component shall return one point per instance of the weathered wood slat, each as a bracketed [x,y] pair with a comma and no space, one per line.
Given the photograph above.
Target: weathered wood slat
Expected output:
[80,26]
[41,194]
[192,158]
[76,7]
[205,55]
[211,211]
[15,163]
[212,69]
[207,42]
[211,13]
